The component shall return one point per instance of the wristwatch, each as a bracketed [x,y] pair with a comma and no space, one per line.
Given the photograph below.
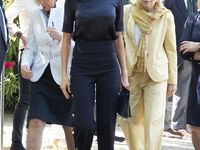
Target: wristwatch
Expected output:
[198,46]
[19,34]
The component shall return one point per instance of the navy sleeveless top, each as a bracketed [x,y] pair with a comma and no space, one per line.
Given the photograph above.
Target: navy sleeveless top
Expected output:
[95,20]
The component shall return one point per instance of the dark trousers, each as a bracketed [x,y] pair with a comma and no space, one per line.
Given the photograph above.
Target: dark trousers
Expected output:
[94,63]
[22,106]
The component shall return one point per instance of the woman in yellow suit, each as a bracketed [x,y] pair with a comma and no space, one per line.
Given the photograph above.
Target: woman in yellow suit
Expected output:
[149,34]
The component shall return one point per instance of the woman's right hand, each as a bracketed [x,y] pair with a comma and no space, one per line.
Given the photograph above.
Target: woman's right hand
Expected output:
[26,72]
[65,86]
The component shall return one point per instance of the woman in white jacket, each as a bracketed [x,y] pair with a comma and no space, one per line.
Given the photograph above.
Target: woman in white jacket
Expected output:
[41,63]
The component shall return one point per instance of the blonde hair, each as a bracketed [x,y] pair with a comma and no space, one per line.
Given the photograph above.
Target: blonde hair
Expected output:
[198,4]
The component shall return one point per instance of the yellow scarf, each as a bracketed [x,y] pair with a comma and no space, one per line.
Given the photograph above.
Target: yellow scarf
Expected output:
[146,23]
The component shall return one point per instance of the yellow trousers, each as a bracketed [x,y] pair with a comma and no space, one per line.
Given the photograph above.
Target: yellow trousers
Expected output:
[143,131]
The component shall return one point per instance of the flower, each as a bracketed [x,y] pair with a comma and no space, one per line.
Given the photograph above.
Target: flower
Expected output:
[9,64]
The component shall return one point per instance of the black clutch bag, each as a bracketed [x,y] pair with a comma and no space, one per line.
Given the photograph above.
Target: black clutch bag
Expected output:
[123,103]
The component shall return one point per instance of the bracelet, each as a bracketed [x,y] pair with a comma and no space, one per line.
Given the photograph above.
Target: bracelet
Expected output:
[19,34]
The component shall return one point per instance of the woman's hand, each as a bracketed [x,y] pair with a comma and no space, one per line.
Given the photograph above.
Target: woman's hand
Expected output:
[171,89]
[188,46]
[26,72]
[65,85]
[124,80]
[54,33]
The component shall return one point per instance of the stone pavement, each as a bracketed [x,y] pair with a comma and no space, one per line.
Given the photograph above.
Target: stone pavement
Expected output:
[167,143]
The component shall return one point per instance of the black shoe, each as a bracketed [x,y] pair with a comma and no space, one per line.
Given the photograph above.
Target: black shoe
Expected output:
[17,145]
[119,139]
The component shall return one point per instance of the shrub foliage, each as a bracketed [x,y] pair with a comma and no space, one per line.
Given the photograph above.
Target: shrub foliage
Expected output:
[11,80]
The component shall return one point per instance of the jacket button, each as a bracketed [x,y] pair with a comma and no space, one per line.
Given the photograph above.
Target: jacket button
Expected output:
[190,58]
[198,63]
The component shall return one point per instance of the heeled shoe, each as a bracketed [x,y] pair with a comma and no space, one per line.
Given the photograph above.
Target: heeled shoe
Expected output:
[17,145]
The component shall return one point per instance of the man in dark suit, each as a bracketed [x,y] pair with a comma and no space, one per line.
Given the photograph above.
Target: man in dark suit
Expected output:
[4,38]
[181,9]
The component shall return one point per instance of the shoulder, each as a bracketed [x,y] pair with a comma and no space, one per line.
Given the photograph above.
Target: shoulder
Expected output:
[31,3]
[36,10]
[193,17]
[127,7]
[169,15]
[35,13]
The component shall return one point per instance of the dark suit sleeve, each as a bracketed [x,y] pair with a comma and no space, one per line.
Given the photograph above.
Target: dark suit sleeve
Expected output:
[5,21]
[186,36]
[167,3]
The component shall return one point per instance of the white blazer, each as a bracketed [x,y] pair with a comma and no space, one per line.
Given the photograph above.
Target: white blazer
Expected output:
[41,49]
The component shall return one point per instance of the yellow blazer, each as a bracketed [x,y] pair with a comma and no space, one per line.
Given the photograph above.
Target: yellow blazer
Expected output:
[161,55]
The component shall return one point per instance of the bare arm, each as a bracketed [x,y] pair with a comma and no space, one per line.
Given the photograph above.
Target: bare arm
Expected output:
[119,48]
[65,50]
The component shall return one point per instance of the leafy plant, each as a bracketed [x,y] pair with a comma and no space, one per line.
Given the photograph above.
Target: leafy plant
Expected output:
[7,3]
[11,79]
[11,90]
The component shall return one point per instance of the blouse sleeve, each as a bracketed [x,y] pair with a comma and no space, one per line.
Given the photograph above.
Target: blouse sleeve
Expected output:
[119,17]
[69,17]
[186,36]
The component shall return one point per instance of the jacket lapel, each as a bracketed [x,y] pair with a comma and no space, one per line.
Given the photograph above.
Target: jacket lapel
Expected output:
[181,6]
[42,21]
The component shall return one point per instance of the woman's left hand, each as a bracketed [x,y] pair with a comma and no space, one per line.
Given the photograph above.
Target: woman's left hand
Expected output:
[188,46]
[171,89]
[54,33]
[124,80]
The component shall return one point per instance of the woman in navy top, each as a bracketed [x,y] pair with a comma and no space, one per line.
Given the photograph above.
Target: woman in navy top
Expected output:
[190,50]
[98,45]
